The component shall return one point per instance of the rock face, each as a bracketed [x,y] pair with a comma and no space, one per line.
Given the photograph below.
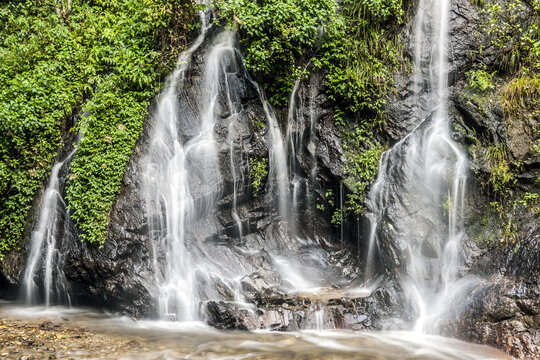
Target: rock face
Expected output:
[265,250]
[503,310]
[504,314]
[329,309]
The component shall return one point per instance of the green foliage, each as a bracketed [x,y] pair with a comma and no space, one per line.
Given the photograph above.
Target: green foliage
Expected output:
[362,156]
[519,41]
[111,51]
[500,174]
[478,2]
[361,53]
[447,206]
[480,80]
[329,197]
[531,201]
[276,34]
[358,50]
[110,131]
[258,174]
[171,21]
[516,41]
[32,106]
[337,217]
[487,226]
[498,225]
[259,124]
[501,177]
[521,94]
[330,200]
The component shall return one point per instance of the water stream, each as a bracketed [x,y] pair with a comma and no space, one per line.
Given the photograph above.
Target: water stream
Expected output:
[107,337]
[176,166]
[417,199]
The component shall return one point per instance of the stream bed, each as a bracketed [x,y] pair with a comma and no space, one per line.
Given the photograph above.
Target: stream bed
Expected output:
[62,333]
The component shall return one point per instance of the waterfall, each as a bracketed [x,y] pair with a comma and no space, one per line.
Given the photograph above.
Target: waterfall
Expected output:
[203,247]
[174,166]
[416,202]
[44,266]
[184,183]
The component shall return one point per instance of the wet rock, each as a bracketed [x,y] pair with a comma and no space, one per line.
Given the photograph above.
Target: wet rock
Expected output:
[496,318]
[228,316]
[11,271]
[242,232]
[262,283]
[501,309]
[333,309]
[122,274]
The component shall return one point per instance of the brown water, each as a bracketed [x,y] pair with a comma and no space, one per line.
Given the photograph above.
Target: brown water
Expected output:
[84,334]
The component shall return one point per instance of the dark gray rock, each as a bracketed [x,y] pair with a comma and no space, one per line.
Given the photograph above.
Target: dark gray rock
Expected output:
[504,315]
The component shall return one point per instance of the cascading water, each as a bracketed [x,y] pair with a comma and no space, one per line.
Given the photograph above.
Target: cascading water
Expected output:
[294,141]
[175,166]
[43,270]
[278,158]
[416,202]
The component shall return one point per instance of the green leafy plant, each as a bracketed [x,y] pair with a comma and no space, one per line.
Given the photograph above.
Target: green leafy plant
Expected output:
[362,155]
[519,42]
[447,206]
[480,80]
[337,217]
[276,34]
[258,174]
[361,53]
[114,52]
[259,124]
